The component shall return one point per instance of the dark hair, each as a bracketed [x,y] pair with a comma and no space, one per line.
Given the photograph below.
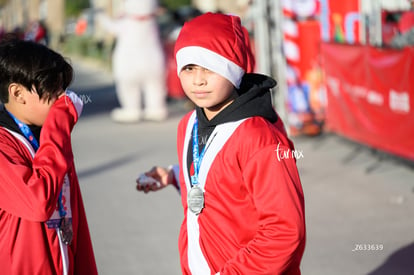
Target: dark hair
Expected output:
[35,66]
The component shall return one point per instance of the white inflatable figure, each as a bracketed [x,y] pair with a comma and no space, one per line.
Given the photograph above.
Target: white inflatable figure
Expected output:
[138,62]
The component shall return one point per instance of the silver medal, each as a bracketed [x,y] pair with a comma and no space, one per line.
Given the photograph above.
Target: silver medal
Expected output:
[65,231]
[195,200]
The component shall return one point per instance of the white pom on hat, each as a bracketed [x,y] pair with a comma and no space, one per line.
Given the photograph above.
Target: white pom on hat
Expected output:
[216,42]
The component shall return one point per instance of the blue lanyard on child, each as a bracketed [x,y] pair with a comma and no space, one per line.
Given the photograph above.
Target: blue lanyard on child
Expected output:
[26,132]
[197,158]
[35,144]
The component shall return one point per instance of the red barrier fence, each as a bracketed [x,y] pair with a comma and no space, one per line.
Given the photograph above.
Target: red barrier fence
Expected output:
[370,94]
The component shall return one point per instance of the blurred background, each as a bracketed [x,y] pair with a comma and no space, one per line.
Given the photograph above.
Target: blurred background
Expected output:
[345,91]
[309,46]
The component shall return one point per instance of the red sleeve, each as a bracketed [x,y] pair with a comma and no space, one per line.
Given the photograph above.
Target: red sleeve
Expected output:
[276,190]
[30,189]
[84,259]
[182,127]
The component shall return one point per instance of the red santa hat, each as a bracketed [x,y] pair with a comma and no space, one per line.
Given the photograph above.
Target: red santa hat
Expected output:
[216,42]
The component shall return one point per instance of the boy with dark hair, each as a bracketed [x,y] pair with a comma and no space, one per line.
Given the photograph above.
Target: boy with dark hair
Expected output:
[43,225]
[242,197]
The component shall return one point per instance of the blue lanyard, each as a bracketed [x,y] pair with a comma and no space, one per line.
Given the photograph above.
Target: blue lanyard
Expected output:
[26,132]
[197,158]
[35,144]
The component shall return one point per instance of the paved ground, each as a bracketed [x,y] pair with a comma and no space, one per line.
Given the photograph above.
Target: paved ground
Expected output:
[353,202]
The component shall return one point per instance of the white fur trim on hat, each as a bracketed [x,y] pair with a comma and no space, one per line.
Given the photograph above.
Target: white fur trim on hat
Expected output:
[211,61]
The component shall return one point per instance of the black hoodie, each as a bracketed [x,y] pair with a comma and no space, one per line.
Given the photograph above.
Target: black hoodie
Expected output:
[254,99]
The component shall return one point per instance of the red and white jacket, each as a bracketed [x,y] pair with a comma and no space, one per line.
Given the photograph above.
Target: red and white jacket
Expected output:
[29,190]
[253,221]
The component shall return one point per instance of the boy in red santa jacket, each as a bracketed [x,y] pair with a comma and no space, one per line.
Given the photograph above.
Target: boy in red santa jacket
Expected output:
[240,188]
[43,226]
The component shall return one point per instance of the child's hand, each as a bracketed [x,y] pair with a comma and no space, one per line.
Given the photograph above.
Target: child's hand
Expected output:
[153,180]
[76,101]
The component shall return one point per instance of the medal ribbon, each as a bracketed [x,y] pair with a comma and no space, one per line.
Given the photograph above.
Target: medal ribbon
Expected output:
[197,157]
[25,129]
